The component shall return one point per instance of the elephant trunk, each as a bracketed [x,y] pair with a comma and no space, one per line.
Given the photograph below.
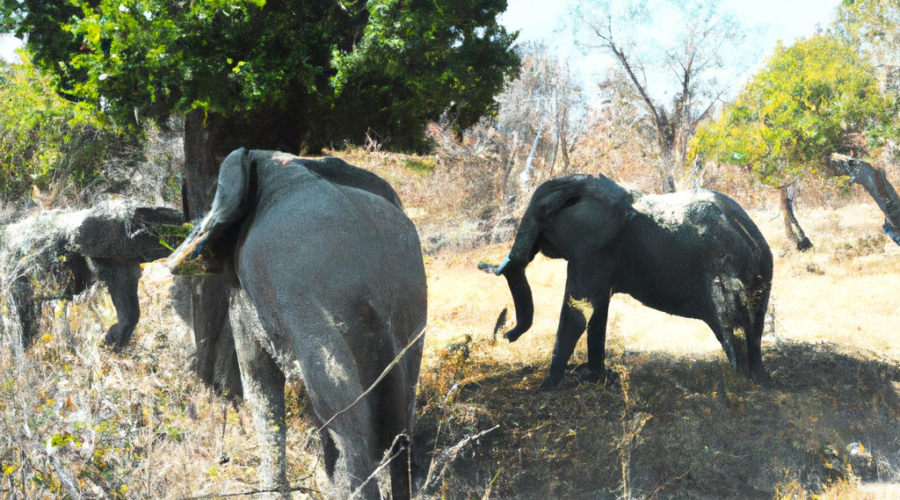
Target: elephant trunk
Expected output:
[521,292]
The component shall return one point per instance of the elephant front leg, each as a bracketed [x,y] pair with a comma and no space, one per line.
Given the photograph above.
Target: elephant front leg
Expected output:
[595,369]
[571,326]
[121,278]
[263,383]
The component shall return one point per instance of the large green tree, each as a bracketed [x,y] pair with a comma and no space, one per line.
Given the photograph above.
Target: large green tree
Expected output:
[294,75]
[339,69]
[814,98]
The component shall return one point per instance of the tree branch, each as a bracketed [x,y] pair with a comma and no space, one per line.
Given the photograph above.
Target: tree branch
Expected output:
[875,182]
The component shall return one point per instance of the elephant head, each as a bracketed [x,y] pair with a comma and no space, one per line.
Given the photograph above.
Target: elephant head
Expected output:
[613,208]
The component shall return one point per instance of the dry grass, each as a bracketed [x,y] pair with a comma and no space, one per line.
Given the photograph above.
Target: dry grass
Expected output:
[677,425]
[135,425]
[705,433]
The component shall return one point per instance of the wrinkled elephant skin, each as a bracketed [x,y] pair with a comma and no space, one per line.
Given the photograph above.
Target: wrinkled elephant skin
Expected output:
[325,256]
[694,254]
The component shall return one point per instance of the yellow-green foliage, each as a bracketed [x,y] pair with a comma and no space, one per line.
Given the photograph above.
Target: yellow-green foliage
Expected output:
[37,127]
[804,105]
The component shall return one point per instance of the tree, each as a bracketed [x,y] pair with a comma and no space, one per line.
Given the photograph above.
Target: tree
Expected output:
[292,75]
[706,46]
[814,98]
[45,138]
[545,108]
[875,26]
[341,67]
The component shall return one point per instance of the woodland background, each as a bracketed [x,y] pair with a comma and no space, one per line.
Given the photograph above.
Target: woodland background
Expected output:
[141,100]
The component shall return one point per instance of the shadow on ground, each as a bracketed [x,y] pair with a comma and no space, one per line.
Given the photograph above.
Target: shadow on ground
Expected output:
[669,428]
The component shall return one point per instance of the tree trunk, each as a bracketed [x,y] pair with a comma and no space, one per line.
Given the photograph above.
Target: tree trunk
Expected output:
[668,177]
[563,138]
[876,183]
[207,140]
[791,227]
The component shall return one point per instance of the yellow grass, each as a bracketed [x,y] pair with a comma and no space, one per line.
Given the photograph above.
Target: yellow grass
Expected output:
[676,425]
[838,301]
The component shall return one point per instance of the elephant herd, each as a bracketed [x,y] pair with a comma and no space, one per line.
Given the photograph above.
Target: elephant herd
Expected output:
[326,272]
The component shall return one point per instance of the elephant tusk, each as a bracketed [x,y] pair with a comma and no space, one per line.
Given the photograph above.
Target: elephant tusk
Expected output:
[499,269]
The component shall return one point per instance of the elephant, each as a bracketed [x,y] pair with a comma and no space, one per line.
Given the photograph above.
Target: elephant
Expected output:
[57,254]
[695,254]
[328,276]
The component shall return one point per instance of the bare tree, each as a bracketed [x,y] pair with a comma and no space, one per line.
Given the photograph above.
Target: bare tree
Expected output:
[688,65]
[545,108]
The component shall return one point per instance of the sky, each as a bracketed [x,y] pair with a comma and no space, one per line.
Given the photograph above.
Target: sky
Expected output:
[785,20]
[536,20]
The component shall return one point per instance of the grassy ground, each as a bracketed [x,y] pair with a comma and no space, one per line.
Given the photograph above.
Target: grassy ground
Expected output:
[677,425]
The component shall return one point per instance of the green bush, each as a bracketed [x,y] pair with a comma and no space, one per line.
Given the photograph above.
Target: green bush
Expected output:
[46,141]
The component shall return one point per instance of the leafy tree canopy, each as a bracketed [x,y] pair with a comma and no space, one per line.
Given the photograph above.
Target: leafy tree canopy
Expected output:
[814,98]
[44,137]
[339,68]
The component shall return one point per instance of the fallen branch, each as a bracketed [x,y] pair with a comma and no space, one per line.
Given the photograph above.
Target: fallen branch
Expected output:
[875,181]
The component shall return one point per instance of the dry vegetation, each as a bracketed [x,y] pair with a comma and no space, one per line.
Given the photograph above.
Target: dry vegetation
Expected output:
[678,424]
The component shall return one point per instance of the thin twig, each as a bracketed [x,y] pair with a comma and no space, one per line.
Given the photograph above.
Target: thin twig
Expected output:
[449,455]
[384,463]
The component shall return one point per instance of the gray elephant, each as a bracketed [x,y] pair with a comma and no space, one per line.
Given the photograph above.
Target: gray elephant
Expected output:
[694,254]
[58,254]
[323,252]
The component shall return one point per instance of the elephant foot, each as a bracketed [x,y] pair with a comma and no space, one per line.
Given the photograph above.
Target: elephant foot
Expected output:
[550,383]
[113,338]
[587,374]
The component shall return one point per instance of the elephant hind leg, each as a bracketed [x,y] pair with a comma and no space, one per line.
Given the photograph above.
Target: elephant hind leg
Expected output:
[401,468]
[263,389]
[730,324]
[757,320]
[394,424]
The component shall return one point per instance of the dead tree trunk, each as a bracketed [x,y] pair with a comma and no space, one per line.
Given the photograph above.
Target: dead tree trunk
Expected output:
[791,227]
[875,181]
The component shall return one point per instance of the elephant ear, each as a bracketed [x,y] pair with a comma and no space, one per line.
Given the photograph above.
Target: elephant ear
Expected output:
[231,191]
[556,194]
[229,205]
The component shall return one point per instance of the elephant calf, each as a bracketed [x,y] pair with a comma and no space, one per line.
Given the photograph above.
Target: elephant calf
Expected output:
[62,253]
[694,254]
[324,254]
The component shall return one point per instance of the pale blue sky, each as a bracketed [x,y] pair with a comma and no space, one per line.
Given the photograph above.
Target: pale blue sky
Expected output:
[785,20]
